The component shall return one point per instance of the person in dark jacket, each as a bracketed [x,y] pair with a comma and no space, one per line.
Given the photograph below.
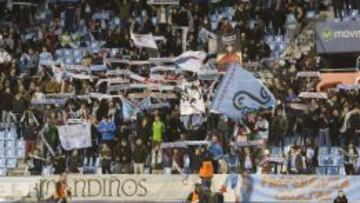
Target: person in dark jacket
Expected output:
[123,157]
[6,105]
[38,163]
[105,157]
[59,163]
[140,153]
[341,198]
[74,162]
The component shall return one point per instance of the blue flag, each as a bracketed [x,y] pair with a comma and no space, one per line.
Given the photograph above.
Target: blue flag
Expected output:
[240,92]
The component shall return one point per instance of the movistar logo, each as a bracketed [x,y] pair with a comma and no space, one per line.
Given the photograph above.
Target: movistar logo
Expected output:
[327,34]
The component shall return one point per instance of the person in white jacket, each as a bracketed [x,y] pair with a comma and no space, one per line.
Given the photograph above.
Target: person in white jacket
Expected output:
[262,128]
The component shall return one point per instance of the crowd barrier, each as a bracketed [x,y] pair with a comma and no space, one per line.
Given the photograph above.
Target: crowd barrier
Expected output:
[175,188]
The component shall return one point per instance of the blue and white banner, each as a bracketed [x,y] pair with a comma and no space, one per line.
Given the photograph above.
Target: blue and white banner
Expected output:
[240,92]
[75,136]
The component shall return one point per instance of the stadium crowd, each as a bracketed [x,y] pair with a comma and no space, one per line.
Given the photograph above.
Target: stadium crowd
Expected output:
[33,33]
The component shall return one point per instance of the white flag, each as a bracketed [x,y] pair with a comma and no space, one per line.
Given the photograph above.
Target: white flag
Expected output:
[144,40]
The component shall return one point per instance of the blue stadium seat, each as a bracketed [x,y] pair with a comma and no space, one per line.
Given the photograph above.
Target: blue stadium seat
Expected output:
[2,135]
[20,144]
[2,163]
[116,21]
[68,52]
[2,152]
[279,38]
[114,52]
[59,53]
[2,143]
[3,171]
[95,47]
[10,153]
[69,60]
[354,13]
[276,151]
[78,59]
[323,150]
[332,171]
[20,153]
[11,163]
[321,170]
[10,144]
[78,52]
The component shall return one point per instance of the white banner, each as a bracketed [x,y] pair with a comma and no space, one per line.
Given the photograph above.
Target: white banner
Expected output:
[75,136]
[163,2]
[144,40]
[176,188]
[192,102]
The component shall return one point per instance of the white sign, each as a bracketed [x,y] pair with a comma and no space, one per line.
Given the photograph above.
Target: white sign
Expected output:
[163,2]
[75,136]
[192,102]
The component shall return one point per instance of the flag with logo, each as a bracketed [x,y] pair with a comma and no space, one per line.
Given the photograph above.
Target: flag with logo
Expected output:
[144,40]
[240,92]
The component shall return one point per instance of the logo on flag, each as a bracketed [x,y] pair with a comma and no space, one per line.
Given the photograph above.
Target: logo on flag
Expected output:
[240,92]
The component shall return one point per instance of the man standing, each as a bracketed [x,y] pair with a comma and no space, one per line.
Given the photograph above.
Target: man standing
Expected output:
[140,153]
[107,129]
[158,128]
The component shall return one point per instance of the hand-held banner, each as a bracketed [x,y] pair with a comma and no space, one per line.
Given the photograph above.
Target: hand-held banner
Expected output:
[75,136]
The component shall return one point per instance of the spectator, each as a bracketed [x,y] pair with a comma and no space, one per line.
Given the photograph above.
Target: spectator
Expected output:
[216,151]
[295,161]
[59,163]
[156,160]
[105,159]
[74,162]
[123,157]
[158,129]
[107,130]
[341,198]
[279,128]
[206,171]
[262,128]
[38,163]
[140,154]
[247,161]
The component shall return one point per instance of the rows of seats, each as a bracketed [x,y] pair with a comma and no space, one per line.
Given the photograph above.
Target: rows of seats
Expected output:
[11,149]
